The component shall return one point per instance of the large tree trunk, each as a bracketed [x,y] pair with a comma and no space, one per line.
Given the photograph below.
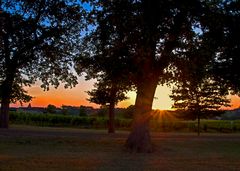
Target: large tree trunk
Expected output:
[6,89]
[4,116]
[139,139]
[5,101]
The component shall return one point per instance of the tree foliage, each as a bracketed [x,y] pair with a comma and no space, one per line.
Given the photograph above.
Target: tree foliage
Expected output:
[156,41]
[227,61]
[51,108]
[38,41]
[201,97]
[108,92]
[129,112]
[82,111]
[102,94]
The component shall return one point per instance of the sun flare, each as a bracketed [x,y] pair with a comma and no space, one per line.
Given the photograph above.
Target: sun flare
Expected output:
[163,115]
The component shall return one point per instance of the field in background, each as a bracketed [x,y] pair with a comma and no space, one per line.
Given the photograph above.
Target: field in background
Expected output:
[158,123]
[43,148]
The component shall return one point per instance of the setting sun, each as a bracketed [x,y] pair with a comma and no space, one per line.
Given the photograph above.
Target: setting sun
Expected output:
[162,100]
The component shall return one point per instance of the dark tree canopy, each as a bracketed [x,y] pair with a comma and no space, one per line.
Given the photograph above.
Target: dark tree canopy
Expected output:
[105,62]
[155,41]
[227,61]
[51,108]
[202,96]
[102,93]
[38,41]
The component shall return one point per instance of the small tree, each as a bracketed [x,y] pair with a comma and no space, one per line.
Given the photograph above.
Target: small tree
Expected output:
[129,112]
[102,112]
[107,92]
[64,110]
[51,108]
[82,111]
[199,97]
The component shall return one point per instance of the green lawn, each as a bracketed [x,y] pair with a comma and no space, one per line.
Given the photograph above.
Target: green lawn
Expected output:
[36,148]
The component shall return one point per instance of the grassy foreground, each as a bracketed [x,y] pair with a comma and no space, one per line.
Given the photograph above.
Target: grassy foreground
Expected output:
[36,148]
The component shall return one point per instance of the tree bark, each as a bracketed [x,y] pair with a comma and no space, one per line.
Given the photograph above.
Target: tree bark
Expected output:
[198,118]
[6,89]
[4,116]
[139,139]
[113,93]
[111,127]
[5,101]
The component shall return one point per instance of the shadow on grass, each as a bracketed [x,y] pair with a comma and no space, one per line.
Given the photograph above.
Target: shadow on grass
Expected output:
[34,148]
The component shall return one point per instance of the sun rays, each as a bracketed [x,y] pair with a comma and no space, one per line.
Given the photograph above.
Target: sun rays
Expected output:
[163,115]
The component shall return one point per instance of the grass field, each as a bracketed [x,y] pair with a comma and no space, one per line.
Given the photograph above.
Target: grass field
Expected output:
[42,148]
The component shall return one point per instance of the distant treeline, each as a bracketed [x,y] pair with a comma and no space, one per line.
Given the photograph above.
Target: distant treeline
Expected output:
[56,120]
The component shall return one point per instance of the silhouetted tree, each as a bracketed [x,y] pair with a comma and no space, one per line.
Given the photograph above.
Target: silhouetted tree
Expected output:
[38,40]
[129,112]
[227,60]
[205,83]
[106,64]
[82,111]
[51,108]
[102,112]
[108,93]
[199,97]
[150,40]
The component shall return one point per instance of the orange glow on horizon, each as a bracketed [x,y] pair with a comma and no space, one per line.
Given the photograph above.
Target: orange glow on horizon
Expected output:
[77,96]
[235,103]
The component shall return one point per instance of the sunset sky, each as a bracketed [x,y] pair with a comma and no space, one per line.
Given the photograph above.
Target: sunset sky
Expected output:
[77,96]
